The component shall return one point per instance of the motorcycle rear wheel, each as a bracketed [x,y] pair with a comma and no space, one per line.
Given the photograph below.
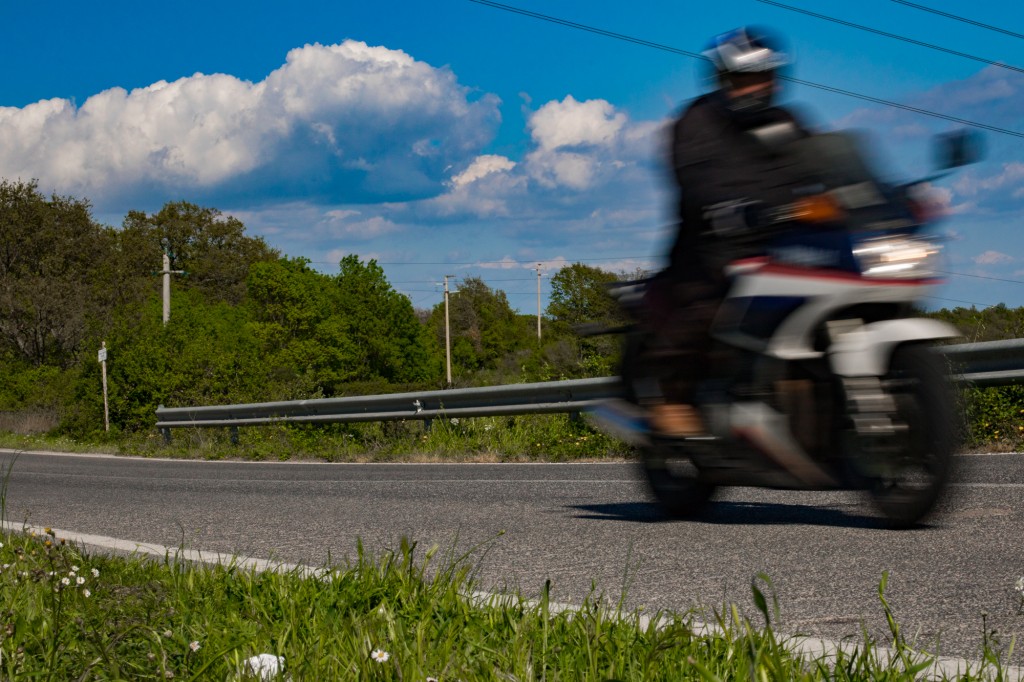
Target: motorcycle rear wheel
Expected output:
[675,480]
[913,481]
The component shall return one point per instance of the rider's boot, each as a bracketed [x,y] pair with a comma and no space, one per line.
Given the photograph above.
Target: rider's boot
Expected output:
[675,420]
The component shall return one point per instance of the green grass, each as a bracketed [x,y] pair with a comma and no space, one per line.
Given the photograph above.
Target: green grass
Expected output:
[66,614]
[552,437]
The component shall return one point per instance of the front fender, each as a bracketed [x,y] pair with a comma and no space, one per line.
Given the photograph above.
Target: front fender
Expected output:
[865,350]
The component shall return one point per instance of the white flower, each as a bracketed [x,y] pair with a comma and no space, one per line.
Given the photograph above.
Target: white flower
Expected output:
[79,580]
[167,634]
[95,573]
[74,569]
[380,655]
[65,581]
[263,666]
[86,593]
[455,420]
[194,646]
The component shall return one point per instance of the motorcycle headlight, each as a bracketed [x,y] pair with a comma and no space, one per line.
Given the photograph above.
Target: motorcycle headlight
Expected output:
[898,258]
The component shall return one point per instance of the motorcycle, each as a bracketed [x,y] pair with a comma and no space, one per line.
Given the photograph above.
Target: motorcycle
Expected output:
[820,376]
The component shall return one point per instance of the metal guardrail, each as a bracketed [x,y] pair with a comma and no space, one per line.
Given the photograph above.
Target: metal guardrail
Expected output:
[537,398]
[993,363]
[990,363]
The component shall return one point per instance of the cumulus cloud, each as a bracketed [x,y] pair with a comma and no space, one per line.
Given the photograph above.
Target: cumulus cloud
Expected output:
[481,167]
[577,144]
[351,121]
[570,123]
[588,160]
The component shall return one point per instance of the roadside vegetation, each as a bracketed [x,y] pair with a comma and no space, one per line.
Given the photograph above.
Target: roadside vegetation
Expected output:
[249,324]
[68,614]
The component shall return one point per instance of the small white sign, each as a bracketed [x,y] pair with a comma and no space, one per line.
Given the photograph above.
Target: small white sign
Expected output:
[102,355]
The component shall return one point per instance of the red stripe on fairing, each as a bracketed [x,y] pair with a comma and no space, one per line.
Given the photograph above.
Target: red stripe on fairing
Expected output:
[767,268]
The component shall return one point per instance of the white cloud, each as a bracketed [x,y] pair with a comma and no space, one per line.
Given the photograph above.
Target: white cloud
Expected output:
[482,166]
[351,121]
[570,123]
[1010,176]
[993,258]
[554,168]
[345,224]
[505,263]
[581,145]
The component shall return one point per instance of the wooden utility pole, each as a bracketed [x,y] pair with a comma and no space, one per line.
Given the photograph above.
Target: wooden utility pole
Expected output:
[102,357]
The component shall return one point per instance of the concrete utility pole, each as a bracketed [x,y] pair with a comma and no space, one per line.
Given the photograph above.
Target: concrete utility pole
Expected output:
[167,272]
[538,301]
[447,336]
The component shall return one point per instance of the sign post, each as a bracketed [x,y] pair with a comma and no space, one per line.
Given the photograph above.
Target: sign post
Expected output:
[102,357]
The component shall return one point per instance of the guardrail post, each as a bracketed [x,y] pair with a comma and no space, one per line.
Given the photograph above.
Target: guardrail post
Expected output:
[166,433]
[427,423]
[234,435]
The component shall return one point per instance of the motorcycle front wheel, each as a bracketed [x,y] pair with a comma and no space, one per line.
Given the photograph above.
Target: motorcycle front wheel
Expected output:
[914,476]
[675,480]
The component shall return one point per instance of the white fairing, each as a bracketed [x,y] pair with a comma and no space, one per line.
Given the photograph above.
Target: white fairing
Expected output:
[865,351]
[794,339]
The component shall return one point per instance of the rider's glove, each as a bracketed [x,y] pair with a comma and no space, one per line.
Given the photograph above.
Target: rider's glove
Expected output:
[734,218]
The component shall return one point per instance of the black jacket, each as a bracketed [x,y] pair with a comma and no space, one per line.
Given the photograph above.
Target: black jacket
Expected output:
[717,157]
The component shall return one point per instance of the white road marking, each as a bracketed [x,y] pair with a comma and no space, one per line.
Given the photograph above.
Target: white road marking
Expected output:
[811,647]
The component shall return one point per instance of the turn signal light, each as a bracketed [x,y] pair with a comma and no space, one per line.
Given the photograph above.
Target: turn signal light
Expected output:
[819,208]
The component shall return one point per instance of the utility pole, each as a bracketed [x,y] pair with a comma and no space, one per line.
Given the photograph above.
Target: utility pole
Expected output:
[167,272]
[447,335]
[538,302]
[102,357]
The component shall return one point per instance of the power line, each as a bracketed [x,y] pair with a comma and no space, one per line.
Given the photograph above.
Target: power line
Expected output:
[958,18]
[956,300]
[895,36]
[694,55]
[500,262]
[994,279]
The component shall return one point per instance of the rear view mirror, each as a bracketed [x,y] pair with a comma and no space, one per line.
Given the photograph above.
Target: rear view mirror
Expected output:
[957,148]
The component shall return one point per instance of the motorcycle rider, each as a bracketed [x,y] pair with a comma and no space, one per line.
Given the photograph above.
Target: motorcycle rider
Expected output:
[728,169]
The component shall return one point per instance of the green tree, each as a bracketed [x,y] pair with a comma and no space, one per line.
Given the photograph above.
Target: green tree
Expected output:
[295,320]
[205,355]
[580,296]
[388,339]
[211,247]
[57,279]
[327,331]
[989,324]
[483,326]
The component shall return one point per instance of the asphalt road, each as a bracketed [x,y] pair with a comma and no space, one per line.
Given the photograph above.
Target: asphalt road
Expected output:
[577,524]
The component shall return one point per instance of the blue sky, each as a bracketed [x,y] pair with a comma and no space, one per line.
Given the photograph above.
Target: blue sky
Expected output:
[449,137]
